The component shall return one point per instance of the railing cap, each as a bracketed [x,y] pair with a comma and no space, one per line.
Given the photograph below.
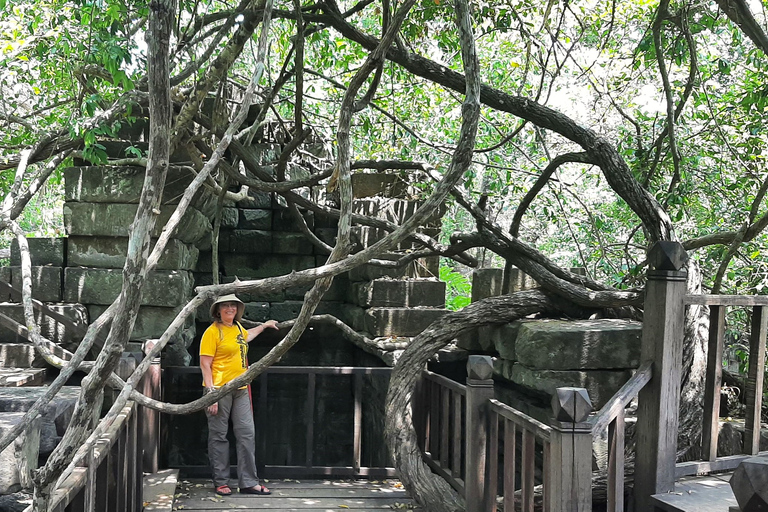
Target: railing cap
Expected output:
[571,405]
[667,255]
[480,367]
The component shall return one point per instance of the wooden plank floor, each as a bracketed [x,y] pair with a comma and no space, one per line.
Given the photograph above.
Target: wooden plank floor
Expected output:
[709,493]
[294,495]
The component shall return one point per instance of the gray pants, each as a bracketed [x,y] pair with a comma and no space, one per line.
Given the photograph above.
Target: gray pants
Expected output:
[237,407]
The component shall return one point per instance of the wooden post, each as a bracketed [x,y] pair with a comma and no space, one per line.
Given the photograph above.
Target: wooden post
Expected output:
[479,390]
[149,421]
[754,387]
[659,400]
[570,452]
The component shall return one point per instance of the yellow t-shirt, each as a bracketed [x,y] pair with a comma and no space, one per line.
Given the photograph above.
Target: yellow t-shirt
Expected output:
[229,350]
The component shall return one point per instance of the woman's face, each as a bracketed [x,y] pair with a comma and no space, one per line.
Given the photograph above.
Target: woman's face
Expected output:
[227,312]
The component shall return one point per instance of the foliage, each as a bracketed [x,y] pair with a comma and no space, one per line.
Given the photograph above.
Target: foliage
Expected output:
[458,289]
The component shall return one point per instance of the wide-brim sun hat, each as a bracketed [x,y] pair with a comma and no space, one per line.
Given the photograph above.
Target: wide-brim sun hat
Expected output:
[228,298]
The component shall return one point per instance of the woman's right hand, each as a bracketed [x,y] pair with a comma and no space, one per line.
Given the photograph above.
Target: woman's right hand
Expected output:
[213,409]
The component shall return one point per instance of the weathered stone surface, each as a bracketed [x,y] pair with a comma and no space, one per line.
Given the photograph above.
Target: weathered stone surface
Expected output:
[267,265]
[14,377]
[15,502]
[55,416]
[176,352]
[49,328]
[579,344]
[362,237]
[353,316]
[113,219]
[291,243]
[110,184]
[327,235]
[255,219]
[486,282]
[517,280]
[730,439]
[283,221]
[230,217]
[19,459]
[257,311]
[339,290]
[42,251]
[165,288]
[19,355]
[109,252]
[46,282]
[151,322]
[286,310]
[600,384]
[248,241]
[256,199]
[400,293]
[369,272]
[400,321]
[504,338]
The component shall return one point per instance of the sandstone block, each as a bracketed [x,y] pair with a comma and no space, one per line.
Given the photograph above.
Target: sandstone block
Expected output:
[517,281]
[255,219]
[19,355]
[151,322]
[113,219]
[22,377]
[165,288]
[504,338]
[286,310]
[291,243]
[400,321]
[327,235]
[339,290]
[230,217]
[42,251]
[579,344]
[19,459]
[600,384]
[109,252]
[375,184]
[283,221]
[249,241]
[257,311]
[369,271]
[54,417]
[46,282]
[109,184]
[256,200]
[400,293]
[486,282]
[49,328]
[267,265]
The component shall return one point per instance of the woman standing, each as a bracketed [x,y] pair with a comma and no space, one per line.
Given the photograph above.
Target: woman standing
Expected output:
[224,356]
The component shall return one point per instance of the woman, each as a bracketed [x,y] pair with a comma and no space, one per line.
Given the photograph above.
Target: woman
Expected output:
[224,356]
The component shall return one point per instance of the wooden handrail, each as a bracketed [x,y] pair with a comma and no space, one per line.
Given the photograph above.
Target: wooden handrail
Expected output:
[539,429]
[619,401]
[727,300]
[446,382]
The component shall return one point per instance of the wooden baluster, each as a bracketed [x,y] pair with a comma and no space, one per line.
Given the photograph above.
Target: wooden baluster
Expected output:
[510,465]
[713,383]
[616,464]
[445,424]
[492,478]
[754,387]
[546,494]
[527,467]
[457,431]
[310,417]
[358,427]
[434,420]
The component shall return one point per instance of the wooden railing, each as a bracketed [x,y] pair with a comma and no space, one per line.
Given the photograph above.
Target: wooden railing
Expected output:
[310,468]
[110,477]
[439,413]
[718,305]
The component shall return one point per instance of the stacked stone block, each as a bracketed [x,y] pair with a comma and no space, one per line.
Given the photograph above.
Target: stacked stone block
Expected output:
[100,205]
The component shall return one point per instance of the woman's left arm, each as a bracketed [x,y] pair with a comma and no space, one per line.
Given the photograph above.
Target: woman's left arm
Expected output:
[255,331]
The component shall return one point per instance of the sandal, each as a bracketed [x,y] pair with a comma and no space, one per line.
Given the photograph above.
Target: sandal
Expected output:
[256,489]
[224,490]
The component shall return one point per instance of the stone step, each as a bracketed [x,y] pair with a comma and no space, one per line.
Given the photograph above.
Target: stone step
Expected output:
[19,355]
[399,293]
[400,321]
[46,282]
[159,490]
[19,459]
[14,377]
[66,336]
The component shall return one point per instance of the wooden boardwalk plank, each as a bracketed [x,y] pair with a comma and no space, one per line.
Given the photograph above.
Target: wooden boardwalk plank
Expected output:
[711,493]
[298,495]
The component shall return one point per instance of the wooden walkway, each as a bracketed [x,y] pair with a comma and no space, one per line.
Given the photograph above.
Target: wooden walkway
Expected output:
[294,495]
[709,493]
